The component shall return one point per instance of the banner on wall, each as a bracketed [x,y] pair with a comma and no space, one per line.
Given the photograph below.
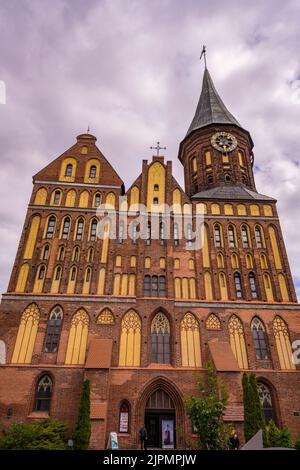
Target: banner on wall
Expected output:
[113,441]
[167,429]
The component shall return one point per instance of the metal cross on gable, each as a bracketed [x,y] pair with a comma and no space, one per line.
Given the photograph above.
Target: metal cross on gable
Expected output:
[158,148]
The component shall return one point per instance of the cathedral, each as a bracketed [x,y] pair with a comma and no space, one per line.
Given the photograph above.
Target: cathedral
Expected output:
[141,317]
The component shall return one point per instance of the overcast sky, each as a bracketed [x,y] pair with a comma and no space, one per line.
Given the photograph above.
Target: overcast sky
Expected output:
[130,69]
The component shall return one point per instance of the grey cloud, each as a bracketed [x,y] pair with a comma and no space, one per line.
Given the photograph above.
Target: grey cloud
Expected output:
[131,70]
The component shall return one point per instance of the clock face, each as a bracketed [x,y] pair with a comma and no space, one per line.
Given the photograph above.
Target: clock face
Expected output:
[224,142]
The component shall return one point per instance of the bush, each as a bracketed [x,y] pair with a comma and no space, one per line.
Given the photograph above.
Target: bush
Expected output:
[278,437]
[41,435]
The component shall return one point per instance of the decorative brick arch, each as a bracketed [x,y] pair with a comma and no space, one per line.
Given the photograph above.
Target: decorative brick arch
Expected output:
[175,394]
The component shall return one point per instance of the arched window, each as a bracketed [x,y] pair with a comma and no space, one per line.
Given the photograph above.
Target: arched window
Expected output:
[176,234]
[249,261]
[148,240]
[56,280]
[190,341]
[260,339]
[65,228]
[93,171]
[43,394]
[263,261]
[2,352]
[266,401]
[234,261]
[218,238]
[162,286]
[50,227]
[26,335]
[97,200]
[78,338]
[87,281]
[105,317]
[231,237]
[61,253]
[208,286]
[160,336]
[76,253]
[130,342]
[54,330]
[238,285]
[90,255]
[213,322]
[124,418]
[79,231]
[45,252]
[283,343]
[252,284]
[237,341]
[245,237]
[189,234]
[223,286]
[69,169]
[72,280]
[159,400]
[40,197]
[70,198]
[56,197]
[93,230]
[227,178]
[162,234]
[39,279]
[121,231]
[259,236]
[210,179]
[31,240]
[154,286]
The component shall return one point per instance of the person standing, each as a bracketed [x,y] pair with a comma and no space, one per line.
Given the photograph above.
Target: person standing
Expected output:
[143,437]
[234,442]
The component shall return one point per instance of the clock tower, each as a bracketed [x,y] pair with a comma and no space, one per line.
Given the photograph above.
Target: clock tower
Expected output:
[217,150]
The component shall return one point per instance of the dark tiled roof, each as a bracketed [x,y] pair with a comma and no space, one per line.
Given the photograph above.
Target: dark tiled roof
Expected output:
[231,193]
[210,109]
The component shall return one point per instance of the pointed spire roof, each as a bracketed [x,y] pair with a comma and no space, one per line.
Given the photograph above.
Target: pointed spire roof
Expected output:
[210,108]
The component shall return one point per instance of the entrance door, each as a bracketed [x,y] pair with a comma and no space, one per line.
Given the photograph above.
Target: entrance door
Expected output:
[160,421]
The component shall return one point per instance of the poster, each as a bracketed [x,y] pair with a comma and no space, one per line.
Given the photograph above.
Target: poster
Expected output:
[112,441]
[124,421]
[167,429]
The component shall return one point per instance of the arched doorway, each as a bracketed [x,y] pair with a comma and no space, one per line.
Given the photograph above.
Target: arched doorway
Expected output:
[160,420]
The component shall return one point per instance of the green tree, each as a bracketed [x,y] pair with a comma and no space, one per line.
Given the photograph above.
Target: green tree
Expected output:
[248,419]
[253,415]
[258,418]
[206,412]
[82,432]
[41,435]
[273,434]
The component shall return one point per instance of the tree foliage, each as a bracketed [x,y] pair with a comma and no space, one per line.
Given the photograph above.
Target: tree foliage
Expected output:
[278,437]
[253,414]
[206,412]
[82,432]
[41,435]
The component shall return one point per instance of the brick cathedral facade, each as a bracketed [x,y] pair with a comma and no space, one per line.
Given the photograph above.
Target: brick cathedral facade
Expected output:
[140,318]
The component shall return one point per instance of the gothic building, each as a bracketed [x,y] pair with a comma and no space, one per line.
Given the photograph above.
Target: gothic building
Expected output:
[140,318]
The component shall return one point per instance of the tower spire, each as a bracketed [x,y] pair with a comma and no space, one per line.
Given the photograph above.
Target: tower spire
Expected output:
[210,108]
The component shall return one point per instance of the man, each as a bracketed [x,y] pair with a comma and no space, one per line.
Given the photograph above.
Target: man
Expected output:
[234,442]
[143,437]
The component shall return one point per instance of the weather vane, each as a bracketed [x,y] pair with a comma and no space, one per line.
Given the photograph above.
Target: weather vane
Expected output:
[88,129]
[158,148]
[203,53]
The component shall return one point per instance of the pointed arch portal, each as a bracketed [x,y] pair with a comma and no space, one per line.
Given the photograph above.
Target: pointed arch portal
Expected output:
[161,409]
